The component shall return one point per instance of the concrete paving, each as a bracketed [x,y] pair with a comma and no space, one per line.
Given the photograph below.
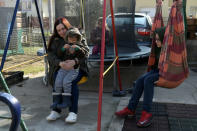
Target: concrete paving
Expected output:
[35,99]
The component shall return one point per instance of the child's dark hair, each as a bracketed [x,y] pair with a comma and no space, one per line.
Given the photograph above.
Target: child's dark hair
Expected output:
[74,35]
[160,32]
[74,32]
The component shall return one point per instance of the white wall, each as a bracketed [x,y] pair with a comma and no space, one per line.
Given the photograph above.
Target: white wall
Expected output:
[8,3]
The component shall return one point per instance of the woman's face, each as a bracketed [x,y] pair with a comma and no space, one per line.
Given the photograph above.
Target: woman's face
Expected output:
[61,30]
[157,40]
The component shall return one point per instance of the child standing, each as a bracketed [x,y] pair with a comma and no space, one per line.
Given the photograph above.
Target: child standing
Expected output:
[70,51]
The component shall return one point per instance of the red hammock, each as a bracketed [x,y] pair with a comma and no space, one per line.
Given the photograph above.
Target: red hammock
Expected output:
[157,23]
[173,67]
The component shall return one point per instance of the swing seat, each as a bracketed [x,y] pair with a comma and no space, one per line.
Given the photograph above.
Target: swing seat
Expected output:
[83,80]
[173,66]
[167,84]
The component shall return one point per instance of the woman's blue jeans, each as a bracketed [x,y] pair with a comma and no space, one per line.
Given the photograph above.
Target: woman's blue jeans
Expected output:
[144,84]
[74,92]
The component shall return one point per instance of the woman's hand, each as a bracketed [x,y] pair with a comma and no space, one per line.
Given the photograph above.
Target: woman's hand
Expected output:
[67,65]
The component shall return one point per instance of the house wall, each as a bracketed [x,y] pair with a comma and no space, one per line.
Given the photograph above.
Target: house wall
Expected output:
[7,3]
[148,6]
[143,4]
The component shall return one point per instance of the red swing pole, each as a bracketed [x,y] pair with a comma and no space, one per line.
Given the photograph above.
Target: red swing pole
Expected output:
[115,44]
[101,67]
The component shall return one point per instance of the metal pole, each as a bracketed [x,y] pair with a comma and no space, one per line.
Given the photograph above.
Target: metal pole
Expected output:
[101,68]
[115,75]
[44,46]
[115,44]
[41,26]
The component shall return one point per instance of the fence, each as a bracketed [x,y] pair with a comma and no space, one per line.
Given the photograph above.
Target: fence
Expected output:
[24,44]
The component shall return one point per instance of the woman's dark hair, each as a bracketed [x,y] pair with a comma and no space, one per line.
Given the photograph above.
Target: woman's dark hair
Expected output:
[60,20]
[161,33]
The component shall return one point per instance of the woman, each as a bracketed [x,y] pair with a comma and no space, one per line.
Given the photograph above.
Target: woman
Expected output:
[145,84]
[56,43]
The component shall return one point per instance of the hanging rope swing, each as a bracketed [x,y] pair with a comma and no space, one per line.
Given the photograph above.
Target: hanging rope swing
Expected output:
[173,67]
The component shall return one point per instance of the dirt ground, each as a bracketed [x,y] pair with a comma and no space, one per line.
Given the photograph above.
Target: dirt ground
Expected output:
[26,63]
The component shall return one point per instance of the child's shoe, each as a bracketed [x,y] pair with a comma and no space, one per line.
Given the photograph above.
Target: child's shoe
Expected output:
[145,120]
[125,112]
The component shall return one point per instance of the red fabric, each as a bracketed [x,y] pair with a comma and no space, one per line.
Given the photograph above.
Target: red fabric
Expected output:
[157,23]
[173,67]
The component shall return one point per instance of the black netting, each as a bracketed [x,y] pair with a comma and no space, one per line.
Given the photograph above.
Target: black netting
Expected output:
[132,31]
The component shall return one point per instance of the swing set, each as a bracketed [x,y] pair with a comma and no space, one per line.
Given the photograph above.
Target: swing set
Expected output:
[173,59]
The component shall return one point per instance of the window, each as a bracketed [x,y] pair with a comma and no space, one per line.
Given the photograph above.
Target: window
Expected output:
[119,21]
